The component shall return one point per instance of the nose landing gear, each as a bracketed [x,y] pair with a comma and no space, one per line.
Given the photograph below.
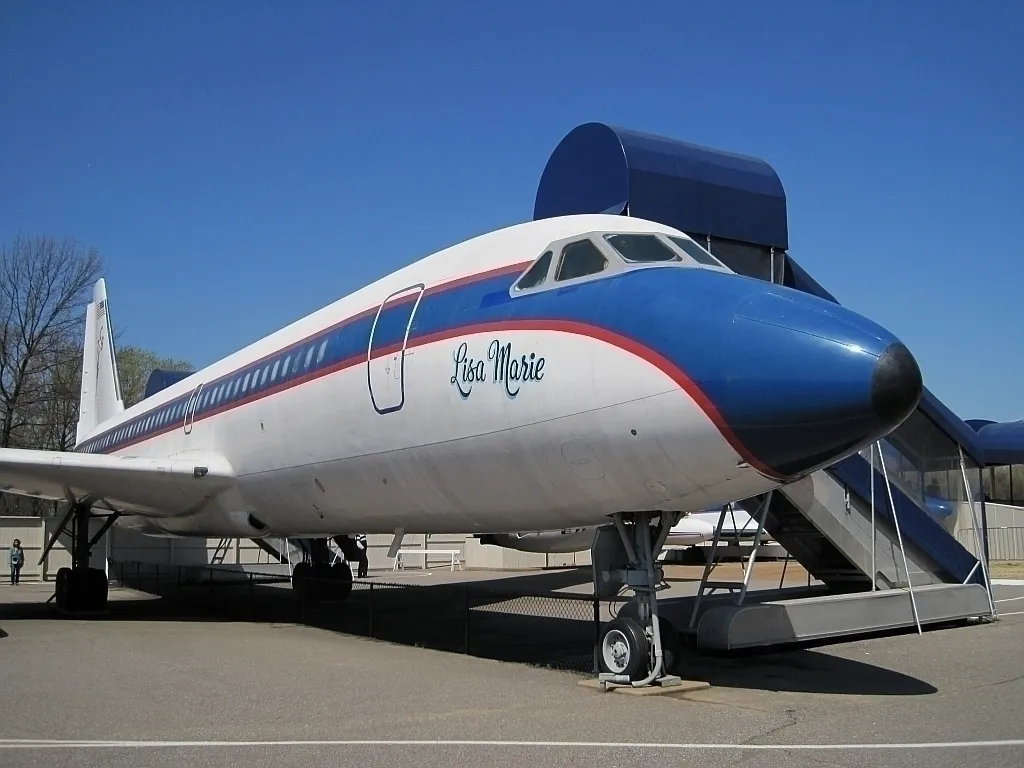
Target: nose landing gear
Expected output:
[639,651]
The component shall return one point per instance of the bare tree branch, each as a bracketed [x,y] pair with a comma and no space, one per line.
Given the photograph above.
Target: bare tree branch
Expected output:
[44,287]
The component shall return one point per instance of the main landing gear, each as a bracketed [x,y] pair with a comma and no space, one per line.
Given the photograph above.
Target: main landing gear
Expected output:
[80,588]
[641,650]
[316,577]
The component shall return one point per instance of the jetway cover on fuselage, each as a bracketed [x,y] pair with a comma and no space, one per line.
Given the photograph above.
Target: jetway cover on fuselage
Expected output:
[597,168]
[160,380]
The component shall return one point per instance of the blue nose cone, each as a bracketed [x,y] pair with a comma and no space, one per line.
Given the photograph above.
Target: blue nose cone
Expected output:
[810,382]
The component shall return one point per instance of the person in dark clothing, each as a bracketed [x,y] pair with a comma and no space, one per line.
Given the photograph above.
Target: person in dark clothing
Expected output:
[364,560]
[16,559]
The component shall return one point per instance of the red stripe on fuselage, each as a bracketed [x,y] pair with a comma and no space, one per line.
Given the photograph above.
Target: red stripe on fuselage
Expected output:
[631,346]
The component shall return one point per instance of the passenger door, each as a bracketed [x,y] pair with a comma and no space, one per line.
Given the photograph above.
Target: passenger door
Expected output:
[385,358]
[190,409]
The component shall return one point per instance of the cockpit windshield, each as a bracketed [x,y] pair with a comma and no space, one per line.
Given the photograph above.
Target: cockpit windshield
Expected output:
[695,252]
[641,248]
[594,255]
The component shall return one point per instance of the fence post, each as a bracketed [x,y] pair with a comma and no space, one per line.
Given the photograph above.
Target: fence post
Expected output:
[372,635]
[465,611]
[597,633]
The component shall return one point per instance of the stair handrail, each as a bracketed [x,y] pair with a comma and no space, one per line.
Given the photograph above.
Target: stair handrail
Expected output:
[899,537]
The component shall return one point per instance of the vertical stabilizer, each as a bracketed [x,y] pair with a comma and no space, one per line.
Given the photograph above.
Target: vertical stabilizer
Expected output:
[101,388]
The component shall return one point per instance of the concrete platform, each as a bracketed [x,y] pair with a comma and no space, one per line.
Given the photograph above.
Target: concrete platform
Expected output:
[780,622]
[682,687]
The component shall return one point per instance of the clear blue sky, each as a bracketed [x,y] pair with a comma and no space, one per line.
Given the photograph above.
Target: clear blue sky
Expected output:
[240,164]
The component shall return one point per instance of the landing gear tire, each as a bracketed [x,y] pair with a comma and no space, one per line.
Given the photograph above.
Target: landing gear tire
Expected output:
[322,582]
[301,583]
[624,649]
[341,577]
[63,590]
[81,589]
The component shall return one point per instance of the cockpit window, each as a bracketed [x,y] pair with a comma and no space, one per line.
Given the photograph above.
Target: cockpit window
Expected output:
[580,259]
[536,274]
[695,252]
[642,248]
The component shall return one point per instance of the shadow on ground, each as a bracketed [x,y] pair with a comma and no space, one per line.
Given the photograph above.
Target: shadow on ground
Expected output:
[518,619]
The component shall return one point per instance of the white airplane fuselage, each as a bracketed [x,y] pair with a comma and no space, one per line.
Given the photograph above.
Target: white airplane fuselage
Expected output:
[440,399]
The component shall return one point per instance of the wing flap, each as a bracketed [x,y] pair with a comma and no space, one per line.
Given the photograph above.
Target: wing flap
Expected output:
[161,487]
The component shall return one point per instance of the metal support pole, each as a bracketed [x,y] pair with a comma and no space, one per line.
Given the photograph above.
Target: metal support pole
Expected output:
[708,566]
[899,537]
[874,572]
[977,538]
[761,517]
[984,517]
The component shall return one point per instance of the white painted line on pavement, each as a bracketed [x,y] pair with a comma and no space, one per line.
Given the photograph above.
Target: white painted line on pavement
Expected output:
[609,745]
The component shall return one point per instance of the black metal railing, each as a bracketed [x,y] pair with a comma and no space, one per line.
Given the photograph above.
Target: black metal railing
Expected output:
[550,629]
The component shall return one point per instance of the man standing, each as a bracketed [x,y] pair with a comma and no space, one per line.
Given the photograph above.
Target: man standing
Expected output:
[364,560]
[16,559]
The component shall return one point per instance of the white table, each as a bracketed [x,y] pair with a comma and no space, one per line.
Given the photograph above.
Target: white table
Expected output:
[452,554]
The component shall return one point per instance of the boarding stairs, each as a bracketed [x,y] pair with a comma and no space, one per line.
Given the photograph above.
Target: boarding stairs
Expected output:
[876,570]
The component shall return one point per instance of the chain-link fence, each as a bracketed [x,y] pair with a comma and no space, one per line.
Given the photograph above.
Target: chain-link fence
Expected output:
[554,630]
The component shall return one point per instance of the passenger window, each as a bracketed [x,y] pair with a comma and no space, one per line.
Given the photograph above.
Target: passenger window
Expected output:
[536,274]
[695,252]
[309,356]
[284,368]
[245,384]
[273,376]
[580,259]
[643,249]
[320,353]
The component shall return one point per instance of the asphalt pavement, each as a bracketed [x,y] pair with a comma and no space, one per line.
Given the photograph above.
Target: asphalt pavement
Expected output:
[152,692]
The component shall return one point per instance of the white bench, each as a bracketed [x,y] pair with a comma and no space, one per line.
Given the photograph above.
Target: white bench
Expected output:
[453,554]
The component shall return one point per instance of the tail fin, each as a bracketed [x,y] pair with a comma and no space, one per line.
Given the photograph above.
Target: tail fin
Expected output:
[101,388]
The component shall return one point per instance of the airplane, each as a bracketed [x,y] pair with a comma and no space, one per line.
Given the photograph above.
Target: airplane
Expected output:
[566,372]
[688,532]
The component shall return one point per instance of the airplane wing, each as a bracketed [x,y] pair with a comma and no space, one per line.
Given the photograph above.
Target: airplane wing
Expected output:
[159,487]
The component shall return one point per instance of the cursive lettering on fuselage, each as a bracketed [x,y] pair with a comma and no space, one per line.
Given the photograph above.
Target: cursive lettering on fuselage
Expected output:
[512,371]
[507,368]
[467,371]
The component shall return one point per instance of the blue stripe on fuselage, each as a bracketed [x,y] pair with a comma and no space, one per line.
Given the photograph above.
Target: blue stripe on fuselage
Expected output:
[686,315]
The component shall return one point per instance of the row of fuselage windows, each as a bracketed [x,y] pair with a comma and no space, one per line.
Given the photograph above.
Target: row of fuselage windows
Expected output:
[243,384]
[578,259]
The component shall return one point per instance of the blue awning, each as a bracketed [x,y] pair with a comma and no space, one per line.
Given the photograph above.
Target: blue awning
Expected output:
[599,168]
[1003,443]
[160,380]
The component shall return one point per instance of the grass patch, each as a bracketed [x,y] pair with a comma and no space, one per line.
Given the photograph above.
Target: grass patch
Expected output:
[1007,569]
